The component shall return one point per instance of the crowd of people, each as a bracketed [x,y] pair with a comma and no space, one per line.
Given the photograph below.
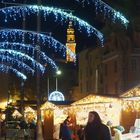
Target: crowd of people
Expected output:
[94,129]
[19,124]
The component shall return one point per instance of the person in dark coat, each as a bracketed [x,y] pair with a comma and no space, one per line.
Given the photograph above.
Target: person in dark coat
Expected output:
[95,129]
[80,133]
[65,133]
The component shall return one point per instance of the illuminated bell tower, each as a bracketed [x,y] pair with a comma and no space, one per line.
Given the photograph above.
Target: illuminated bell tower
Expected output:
[70,43]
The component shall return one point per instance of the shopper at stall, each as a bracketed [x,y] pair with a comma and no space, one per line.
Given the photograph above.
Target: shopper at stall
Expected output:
[65,132]
[80,133]
[95,129]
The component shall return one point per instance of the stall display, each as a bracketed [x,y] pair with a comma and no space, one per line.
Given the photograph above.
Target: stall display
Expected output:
[106,107]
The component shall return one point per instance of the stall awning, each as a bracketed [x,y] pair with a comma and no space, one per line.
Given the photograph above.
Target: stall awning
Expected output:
[95,99]
[133,93]
[48,105]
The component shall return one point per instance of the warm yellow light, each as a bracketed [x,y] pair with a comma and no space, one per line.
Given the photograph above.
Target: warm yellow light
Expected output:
[3,104]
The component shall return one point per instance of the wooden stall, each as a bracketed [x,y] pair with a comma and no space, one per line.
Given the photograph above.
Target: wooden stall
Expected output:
[48,120]
[107,107]
[130,108]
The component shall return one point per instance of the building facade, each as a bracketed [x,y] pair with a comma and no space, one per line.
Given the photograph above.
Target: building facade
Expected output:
[110,70]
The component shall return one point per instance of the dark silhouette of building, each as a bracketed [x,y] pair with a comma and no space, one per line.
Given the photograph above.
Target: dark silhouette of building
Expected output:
[112,69]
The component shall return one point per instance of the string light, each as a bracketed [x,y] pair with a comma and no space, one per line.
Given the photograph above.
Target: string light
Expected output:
[16,62]
[17,35]
[28,49]
[106,10]
[16,12]
[23,57]
[6,69]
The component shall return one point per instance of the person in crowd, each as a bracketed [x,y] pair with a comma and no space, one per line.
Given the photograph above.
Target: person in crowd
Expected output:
[95,129]
[23,124]
[80,132]
[65,132]
[32,124]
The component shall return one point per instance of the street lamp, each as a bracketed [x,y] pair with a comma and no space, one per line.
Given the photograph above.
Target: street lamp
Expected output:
[58,72]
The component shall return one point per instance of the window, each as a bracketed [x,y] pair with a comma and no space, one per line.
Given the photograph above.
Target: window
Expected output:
[106,89]
[116,87]
[106,69]
[87,86]
[115,66]
[133,65]
[101,79]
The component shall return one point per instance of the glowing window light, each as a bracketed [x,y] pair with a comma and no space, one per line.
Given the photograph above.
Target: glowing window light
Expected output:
[15,12]
[6,69]
[28,49]
[23,57]
[56,96]
[106,9]
[21,65]
[17,35]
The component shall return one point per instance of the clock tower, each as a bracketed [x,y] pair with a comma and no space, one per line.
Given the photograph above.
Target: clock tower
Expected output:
[71,45]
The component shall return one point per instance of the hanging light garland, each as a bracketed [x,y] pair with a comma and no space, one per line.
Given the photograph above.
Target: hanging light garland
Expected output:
[17,35]
[107,10]
[28,49]
[6,69]
[104,8]
[19,64]
[16,12]
[23,57]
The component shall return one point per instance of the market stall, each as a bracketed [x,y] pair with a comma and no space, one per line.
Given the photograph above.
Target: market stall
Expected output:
[48,119]
[107,108]
[30,114]
[131,109]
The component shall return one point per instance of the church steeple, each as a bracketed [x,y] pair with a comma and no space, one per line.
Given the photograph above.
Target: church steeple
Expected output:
[70,42]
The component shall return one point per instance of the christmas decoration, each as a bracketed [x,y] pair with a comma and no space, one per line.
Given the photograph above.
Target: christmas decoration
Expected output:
[17,35]
[7,69]
[107,10]
[16,12]
[29,50]
[23,57]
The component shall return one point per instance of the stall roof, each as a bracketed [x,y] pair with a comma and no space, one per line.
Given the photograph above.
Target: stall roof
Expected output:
[95,99]
[132,93]
[29,109]
[48,105]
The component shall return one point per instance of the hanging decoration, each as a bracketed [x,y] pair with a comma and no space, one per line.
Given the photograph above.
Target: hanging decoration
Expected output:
[23,57]
[6,69]
[107,10]
[104,8]
[29,50]
[56,96]
[9,60]
[17,35]
[16,12]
